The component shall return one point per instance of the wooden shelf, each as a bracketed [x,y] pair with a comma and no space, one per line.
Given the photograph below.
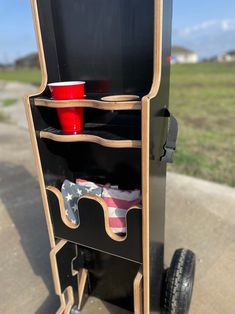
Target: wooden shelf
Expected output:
[104,138]
[88,103]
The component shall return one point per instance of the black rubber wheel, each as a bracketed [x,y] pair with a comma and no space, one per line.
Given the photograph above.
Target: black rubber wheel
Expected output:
[179,282]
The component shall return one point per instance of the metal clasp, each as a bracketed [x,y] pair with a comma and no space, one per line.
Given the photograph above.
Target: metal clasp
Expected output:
[168,156]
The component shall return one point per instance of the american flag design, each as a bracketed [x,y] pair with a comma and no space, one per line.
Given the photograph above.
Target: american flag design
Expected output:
[118,201]
[71,193]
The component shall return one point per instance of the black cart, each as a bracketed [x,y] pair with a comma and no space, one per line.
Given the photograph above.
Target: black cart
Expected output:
[121,49]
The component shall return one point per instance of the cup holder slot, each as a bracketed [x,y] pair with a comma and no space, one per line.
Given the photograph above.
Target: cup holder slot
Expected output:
[93,230]
[120,98]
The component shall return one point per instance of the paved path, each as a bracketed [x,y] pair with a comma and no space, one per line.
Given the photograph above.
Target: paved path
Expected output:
[200,215]
[14,91]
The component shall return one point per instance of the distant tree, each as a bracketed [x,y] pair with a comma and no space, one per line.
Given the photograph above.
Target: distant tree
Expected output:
[29,61]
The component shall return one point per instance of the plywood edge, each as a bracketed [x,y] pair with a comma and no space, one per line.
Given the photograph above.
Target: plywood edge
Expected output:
[31,124]
[90,138]
[83,276]
[62,305]
[67,303]
[88,103]
[54,267]
[157,56]
[40,48]
[59,197]
[145,202]
[66,308]
[39,171]
[158,27]
[120,98]
[138,293]
[70,298]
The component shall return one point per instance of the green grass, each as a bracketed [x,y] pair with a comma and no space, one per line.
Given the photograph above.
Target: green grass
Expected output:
[26,76]
[9,102]
[203,99]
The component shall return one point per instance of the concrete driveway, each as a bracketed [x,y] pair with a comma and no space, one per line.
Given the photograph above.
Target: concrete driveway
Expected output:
[200,216]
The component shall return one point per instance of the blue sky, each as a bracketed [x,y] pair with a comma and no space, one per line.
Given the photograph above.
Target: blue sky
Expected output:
[16,29]
[17,34]
[192,12]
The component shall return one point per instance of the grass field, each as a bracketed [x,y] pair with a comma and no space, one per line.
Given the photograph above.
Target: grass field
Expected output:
[25,76]
[203,99]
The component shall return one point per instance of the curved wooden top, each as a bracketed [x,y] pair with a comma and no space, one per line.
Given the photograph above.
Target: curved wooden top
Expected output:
[88,103]
[90,138]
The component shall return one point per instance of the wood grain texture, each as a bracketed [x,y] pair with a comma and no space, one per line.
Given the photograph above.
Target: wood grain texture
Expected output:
[83,277]
[31,124]
[120,98]
[90,138]
[158,22]
[88,103]
[145,201]
[70,298]
[55,273]
[158,33]
[138,293]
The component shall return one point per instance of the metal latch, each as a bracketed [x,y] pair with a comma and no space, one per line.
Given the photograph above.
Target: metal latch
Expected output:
[169,153]
[170,145]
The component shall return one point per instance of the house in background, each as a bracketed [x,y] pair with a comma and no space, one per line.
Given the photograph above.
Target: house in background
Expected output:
[183,55]
[227,57]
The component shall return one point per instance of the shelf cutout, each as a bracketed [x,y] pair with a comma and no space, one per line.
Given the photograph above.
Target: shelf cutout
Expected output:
[99,134]
[102,204]
[104,104]
[94,230]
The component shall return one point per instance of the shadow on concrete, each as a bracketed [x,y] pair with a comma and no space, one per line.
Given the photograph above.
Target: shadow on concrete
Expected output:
[21,196]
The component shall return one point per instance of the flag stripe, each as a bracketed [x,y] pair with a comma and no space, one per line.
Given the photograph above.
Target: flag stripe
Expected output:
[117,212]
[119,194]
[120,203]
[117,222]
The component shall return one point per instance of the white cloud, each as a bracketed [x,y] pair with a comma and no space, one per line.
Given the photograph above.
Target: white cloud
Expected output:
[208,38]
[225,25]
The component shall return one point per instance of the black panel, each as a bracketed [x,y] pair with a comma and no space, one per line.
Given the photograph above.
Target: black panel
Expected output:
[112,125]
[90,161]
[48,38]
[110,278]
[91,232]
[108,43]
[64,260]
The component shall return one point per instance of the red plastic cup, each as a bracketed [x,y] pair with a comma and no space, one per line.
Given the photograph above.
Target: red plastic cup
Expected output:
[71,119]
